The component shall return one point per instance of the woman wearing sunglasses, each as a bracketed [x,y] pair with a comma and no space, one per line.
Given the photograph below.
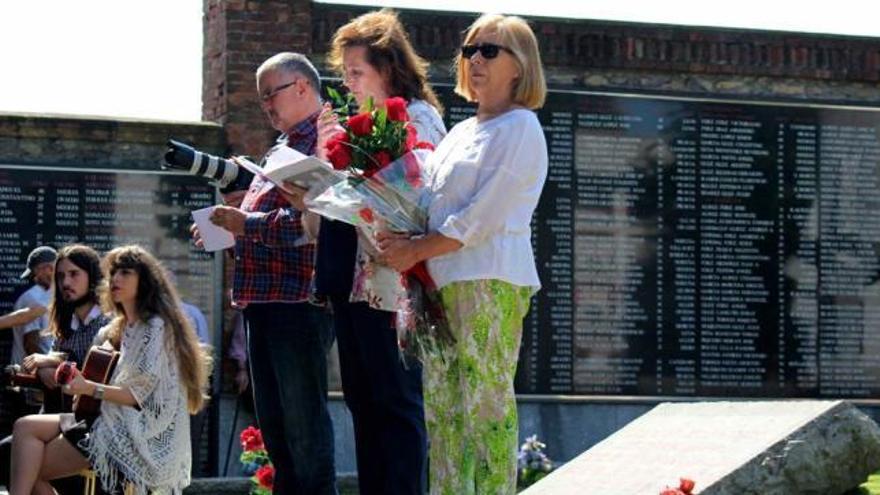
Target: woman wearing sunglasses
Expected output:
[487,176]
[373,55]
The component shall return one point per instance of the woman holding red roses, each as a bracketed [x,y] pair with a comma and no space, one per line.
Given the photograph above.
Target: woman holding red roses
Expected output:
[384,394]
[486,178]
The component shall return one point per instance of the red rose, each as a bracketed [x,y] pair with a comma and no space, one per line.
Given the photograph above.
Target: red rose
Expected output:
[65,372]
[361,124]
[366,214]
[251,439]
[382,158]
[266,476]
[339,151]
[686,485]
[396,108]
[424,145]
[370,172]
[411,137]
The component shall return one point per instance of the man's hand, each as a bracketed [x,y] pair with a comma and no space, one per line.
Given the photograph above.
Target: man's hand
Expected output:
[242,380]
[34,362]
[231,219]
[196,235]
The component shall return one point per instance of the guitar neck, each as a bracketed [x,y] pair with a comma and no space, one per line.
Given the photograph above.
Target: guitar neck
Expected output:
[28,380]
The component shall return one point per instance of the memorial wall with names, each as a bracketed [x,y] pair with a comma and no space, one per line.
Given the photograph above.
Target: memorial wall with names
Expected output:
[104,209]
[694,247]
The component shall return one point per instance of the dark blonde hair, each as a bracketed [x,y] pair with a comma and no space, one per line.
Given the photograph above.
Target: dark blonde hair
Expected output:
[156,296]
[515,34]
[389,51]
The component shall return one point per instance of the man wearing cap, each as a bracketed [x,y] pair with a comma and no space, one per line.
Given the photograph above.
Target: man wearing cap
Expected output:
[27,338]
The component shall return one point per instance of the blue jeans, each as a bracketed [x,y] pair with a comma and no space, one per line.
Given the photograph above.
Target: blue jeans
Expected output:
[287,350]
[385,399]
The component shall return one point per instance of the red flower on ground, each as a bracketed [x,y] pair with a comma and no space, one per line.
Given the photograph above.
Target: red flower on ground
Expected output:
[686,485]
[361,124]
[339,151]
[366,214]
[396,108]
[251,439]
[266,476]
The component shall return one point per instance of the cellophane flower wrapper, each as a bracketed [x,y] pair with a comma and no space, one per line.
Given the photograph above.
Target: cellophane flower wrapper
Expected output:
[394,198]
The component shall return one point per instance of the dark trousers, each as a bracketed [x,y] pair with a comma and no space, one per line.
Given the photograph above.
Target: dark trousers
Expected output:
[384,396]
[287,351]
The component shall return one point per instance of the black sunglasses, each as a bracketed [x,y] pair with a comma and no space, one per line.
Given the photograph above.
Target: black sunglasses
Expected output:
[487,50]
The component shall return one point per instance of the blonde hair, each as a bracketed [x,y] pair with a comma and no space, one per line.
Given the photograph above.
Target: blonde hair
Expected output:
[156,296]
[514,33]
[389,51]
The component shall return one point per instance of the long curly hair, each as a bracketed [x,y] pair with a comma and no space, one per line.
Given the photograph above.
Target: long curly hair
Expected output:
[87,260]
[389,51]
[156,296]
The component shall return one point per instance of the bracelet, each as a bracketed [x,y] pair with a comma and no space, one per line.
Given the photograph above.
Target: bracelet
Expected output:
[98,393]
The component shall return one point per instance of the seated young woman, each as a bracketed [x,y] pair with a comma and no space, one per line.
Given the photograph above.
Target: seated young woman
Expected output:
[141,436]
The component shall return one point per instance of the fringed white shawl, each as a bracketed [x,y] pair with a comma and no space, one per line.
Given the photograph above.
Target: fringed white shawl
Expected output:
[148,447]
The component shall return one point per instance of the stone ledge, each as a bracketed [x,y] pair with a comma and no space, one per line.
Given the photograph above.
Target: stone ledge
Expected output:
[346,482]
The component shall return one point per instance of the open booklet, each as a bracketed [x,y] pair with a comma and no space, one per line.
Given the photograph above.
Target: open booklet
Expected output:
[286,164]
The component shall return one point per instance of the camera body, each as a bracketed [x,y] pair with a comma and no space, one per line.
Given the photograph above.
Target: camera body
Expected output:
[226,174]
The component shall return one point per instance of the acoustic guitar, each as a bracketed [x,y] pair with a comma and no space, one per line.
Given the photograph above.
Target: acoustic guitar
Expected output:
[98,367]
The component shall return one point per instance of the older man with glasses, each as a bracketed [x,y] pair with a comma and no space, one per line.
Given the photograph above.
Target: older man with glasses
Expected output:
[288,338]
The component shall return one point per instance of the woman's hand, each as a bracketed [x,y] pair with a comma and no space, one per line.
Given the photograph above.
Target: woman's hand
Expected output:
[328,126]
[78,385]
[295,195]
[396,250]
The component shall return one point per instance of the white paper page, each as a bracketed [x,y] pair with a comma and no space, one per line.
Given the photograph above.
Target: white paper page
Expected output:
[214,237]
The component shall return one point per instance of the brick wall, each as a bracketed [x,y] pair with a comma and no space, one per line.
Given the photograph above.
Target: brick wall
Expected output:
[589,44]
[586,54]
[238,36]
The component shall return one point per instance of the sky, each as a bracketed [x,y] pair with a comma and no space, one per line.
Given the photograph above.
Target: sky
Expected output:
[142,59]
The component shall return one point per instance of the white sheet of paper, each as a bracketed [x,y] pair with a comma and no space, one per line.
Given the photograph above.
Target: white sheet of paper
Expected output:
[214,237]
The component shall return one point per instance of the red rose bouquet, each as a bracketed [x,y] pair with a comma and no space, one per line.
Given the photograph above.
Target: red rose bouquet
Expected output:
[384,159]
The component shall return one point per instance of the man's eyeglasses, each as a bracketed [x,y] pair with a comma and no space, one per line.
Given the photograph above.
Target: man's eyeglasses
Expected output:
[271,94]
[487,50]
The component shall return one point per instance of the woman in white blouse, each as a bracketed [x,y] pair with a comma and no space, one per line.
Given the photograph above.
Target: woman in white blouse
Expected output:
[142,434]
[487,176]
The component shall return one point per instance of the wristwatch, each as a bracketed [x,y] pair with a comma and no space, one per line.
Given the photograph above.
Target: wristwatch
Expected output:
[99,391]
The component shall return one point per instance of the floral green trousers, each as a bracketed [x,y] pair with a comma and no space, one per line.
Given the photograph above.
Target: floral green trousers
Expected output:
[470,408]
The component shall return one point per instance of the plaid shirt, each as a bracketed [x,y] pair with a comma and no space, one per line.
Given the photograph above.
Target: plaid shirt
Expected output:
[79,339]
[269,265]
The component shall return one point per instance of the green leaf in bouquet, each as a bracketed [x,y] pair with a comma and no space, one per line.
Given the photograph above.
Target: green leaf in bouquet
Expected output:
[381,120]
[338,100]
